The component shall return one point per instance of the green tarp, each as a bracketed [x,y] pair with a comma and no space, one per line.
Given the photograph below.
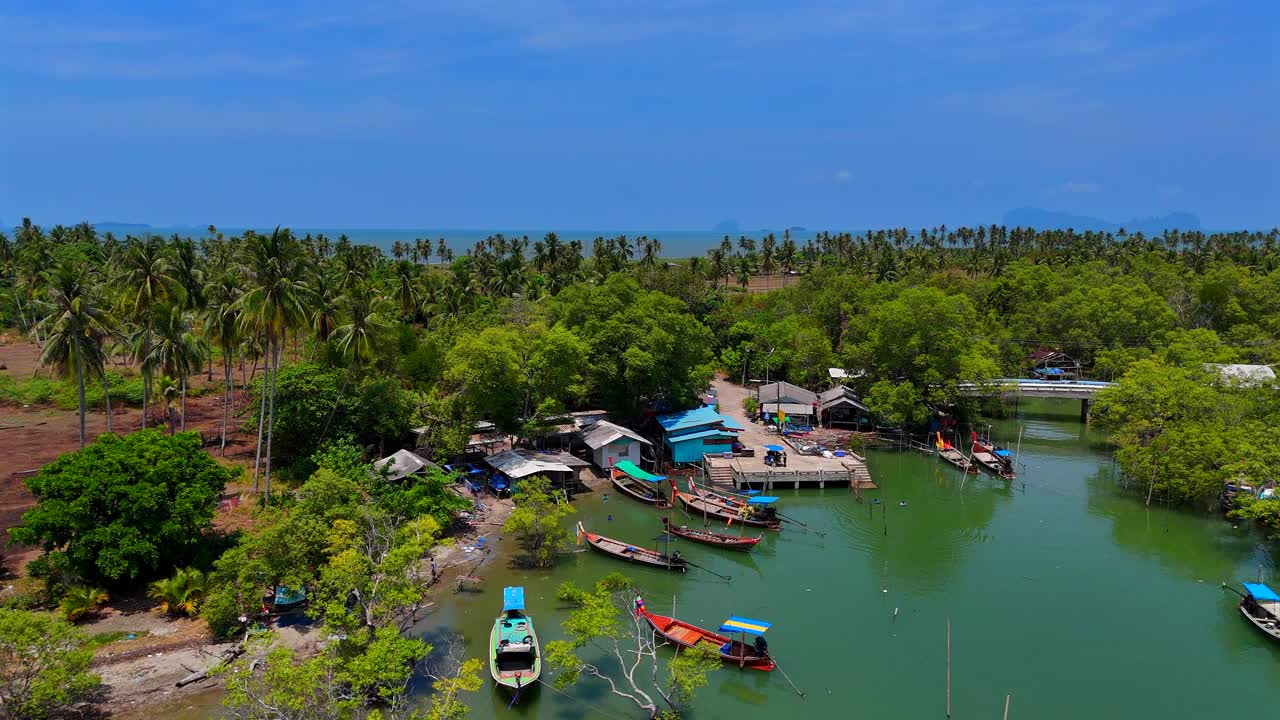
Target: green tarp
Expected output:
[631,470]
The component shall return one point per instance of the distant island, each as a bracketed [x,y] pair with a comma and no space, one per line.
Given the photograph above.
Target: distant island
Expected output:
[1042,219]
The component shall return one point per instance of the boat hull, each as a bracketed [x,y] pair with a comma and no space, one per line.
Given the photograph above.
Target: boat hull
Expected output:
[706,537]
[703,506]
[506,676]
[1265,623]
[637,555]
[630,491]
[732,652]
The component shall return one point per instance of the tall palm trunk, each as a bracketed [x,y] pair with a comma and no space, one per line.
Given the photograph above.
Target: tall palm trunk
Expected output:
[106,396]
[262,419]
[227,391]
[146,395]
[80,386]
[184,403]
[274,350]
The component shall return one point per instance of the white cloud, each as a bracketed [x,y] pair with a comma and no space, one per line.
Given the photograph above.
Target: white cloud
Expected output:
[1072,186]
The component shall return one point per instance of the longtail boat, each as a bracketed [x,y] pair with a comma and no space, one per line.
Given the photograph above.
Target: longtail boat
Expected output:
[631,553]
[731,651]
[1261,605]
[708,507]
[993,459]
[638,484]
[516,662]
[950,454]
[707,537]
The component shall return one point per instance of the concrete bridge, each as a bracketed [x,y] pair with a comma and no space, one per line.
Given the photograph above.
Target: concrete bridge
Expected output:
[1082,390]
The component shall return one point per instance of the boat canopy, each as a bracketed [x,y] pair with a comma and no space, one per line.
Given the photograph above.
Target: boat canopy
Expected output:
[631,470]
[1002,453]
[749,492]
[745,625]
[1261,592]
[773,448]
[763,500]
[512,598]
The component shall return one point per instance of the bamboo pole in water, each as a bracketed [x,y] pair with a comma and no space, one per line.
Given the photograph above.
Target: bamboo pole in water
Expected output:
[1007,699]
[948,667]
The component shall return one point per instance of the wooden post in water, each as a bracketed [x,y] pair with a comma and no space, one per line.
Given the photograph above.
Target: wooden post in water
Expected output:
[1007,699]
[948,667]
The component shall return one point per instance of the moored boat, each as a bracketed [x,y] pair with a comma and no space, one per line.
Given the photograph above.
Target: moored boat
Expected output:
[950,454]
[1261,605]
[707,537]
[636,483]
[631,553]
[994,459]
[515,660]
[731,651]
[708,507]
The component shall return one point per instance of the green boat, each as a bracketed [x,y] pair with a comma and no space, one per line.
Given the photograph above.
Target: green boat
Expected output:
[516,662]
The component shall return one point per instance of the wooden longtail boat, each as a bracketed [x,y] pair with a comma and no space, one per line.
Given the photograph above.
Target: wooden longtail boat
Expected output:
[993,459]
[1261,605]
[706,537]
[731,651]
[710,508]
[646,491]
[515,661]
[957,458]
[631,553]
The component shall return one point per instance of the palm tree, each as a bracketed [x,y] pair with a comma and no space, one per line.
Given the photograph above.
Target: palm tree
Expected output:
[406,289]
[276,301]
[181,593]
[744,271]
[223,328]
[80,601]
[75,326]
[177,352]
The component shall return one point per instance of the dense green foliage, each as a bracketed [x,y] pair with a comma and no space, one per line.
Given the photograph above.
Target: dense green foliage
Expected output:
[535,521]
[125,508]
[44,666]
[1183,433]
[604,621]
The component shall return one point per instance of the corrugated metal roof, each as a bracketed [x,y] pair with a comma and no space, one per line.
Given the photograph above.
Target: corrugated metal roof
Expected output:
[689,418]
[703,434]
[788,408]
[522,463]
[403,463]
[604,432]
[785,391]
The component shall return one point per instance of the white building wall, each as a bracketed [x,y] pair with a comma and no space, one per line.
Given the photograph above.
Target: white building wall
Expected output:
[609,455]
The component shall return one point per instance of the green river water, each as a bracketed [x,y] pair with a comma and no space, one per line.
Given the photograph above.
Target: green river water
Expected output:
[1060,589]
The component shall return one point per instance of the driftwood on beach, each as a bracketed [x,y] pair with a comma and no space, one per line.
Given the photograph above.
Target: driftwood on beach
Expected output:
[224,657]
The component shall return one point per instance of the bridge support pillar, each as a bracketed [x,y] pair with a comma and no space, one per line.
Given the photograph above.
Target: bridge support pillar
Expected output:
[1084,410]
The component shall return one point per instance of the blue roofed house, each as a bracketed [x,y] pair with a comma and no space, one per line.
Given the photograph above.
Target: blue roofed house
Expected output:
[690,434]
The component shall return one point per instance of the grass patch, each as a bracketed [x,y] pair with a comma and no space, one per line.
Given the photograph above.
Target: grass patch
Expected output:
[106,638]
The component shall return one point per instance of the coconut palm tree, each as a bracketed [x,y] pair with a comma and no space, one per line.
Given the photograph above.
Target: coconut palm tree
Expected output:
[222,327]
[406,288]
[75,325]
[277,300]
[177,351]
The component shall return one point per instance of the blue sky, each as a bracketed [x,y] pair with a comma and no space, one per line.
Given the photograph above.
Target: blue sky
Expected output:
[654,115]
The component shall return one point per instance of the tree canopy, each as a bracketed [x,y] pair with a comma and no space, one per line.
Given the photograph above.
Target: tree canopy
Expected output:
[125,507]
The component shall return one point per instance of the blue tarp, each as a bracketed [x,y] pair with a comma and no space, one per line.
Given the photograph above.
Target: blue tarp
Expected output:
[1002,453]
[288,596]
[763,500]
[1261,592]
[512,598]
[774,448]
[746,625]
[750,492]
